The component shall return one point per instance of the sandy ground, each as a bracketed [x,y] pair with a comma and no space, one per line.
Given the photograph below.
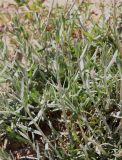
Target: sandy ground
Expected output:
[64,2]
[61,2]
[5,5]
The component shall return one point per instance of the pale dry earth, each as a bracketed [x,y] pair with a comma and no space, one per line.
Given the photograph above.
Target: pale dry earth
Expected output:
[48,3]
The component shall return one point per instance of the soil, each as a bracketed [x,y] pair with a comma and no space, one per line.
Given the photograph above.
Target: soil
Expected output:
[48,3]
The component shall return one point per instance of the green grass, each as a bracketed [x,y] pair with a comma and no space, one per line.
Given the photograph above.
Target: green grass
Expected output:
[64,85]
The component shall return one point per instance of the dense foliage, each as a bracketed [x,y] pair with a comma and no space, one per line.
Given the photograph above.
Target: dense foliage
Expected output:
[61,76]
